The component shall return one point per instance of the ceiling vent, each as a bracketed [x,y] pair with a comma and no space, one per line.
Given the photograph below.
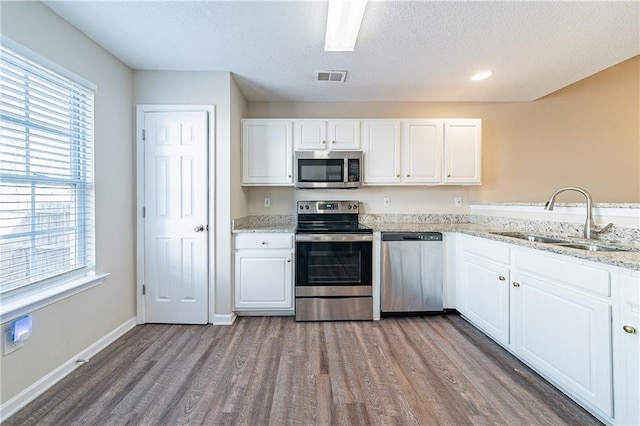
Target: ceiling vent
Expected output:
[334,76]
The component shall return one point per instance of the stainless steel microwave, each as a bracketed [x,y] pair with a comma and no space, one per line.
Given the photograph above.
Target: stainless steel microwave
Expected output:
[328,169]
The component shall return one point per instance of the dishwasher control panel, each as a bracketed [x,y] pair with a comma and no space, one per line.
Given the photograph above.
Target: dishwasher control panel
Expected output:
[411,236]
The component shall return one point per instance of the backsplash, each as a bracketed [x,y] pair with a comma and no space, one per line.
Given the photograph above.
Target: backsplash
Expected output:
[619,234]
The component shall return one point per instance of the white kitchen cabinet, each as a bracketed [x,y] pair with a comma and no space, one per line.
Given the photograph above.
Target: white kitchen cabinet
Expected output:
[422,145]
[557,319]
[562,318]
[565,335]
[381,145]
[335,135]
[267,152]
[264,273]
[463,151]
[424,152]
[627,352]
[484,281]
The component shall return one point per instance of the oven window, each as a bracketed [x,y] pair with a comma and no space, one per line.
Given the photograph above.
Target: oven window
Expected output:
[320,170]
[333,263]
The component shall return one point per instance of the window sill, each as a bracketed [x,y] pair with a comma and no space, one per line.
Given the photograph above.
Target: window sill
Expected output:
[12,307]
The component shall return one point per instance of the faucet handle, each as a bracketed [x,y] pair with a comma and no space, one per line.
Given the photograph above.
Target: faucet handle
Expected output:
[603,229]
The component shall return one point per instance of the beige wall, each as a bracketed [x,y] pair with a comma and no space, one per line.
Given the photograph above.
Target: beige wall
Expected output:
[204,88]
[64,329]
[586,134]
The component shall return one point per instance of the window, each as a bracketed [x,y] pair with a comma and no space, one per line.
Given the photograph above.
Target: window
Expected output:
[46,175]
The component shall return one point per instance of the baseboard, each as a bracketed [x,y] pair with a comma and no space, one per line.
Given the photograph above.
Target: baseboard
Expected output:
[10,407]
[224,319]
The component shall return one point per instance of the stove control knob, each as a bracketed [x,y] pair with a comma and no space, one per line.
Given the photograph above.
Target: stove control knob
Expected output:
[355,207]
[349,207]
[301,207]
[306,207]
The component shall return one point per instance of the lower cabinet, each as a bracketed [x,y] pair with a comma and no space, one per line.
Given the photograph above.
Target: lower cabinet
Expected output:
[627,352]
[264,273]
[555,313]
[485,292]
[565,335]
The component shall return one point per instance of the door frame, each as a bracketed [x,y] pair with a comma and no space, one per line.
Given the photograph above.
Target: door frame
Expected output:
[141,110]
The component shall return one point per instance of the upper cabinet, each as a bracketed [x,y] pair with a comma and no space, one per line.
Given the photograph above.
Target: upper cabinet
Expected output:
[423,152]
[336,135]
[381,144]
[463,151]
[396,152]
[267,152]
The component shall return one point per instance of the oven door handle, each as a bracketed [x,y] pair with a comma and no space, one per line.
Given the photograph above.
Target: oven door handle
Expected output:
[347,238]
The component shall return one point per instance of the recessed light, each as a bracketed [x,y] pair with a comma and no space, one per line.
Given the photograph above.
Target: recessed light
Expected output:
[482,75]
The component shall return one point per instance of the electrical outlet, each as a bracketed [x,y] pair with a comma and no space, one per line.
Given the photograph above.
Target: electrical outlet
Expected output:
[10,346]
[267,202]
[458,201]
[387,201]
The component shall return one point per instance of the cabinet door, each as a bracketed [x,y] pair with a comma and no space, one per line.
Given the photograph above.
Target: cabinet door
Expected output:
[263,279]
[485,296]
[422,151]
[566,336]
[628,398]
[310,134]
[381,140]
[267,152]
[344,135]
[463,151]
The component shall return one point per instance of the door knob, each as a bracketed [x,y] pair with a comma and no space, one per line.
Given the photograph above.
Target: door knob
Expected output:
[501,278]
[629,329]
[516,284]
[198,228]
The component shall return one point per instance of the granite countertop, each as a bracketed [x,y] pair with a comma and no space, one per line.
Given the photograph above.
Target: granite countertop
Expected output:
[270,227]
[628,260]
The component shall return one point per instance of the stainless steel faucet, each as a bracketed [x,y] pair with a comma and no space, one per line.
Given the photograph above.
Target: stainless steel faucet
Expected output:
[590,228]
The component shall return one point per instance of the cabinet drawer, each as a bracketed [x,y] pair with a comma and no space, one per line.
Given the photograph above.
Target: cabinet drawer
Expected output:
[496,252]
[583,277]
[264,241]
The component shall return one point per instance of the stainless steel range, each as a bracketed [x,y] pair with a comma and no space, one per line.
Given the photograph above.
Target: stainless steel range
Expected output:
[333,263]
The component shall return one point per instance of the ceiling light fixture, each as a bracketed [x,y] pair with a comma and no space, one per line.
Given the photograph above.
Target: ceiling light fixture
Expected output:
[482,75]
[343,24]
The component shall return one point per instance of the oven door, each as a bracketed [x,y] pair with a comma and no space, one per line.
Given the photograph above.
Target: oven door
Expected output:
[333,265]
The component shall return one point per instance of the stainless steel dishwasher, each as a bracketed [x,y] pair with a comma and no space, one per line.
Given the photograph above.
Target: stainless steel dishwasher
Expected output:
[411,272]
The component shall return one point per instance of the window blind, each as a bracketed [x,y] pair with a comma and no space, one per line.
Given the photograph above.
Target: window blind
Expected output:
[46,174]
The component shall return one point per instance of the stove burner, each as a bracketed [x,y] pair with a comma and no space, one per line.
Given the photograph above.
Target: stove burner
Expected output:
[324,217]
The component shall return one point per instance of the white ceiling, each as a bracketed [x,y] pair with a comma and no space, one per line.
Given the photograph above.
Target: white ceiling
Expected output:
[406,50]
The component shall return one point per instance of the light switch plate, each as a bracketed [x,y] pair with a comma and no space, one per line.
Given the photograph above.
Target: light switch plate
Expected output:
[458,201]
[387,201]
[267,202]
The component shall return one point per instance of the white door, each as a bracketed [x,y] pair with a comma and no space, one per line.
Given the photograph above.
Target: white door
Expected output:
[310,134]
[175,220]
[565,335]
[463,151]
[381,141]
[486,296]
[344,135]
[422,146]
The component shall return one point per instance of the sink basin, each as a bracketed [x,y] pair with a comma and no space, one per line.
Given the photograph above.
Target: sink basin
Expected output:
[530,237]
[592,247]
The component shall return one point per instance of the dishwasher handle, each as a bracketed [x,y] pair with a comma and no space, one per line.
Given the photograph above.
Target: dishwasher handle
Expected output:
[411,236]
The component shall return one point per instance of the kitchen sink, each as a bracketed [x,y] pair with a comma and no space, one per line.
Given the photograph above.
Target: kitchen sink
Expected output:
[531,237]
[592,247]
[560,242]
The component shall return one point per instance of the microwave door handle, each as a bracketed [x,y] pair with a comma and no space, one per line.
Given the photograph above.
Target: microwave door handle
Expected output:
[346,171]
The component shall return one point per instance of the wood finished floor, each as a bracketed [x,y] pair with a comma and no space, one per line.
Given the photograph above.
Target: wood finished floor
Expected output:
[272,370]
